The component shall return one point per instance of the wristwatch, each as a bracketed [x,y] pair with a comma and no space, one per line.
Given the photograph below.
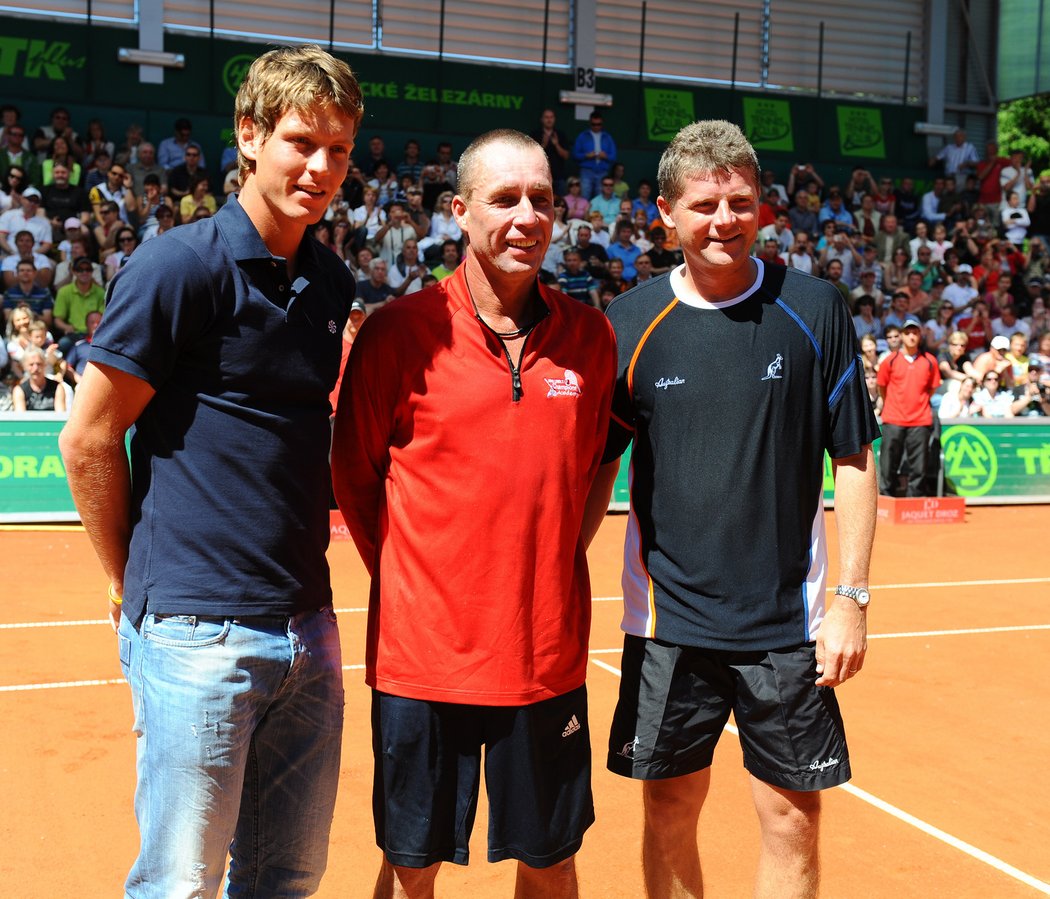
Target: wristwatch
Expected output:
[859,595]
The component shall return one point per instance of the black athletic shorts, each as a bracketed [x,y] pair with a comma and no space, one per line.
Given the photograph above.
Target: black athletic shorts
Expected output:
[675,700]
[428,770]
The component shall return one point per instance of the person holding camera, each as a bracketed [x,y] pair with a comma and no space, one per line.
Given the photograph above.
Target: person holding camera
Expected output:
[1032,398]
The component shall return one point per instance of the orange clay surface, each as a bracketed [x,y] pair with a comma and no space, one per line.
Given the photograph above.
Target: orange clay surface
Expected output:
[947,725]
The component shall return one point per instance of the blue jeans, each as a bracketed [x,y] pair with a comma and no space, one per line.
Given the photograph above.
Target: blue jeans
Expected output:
[591,182]
[239,726]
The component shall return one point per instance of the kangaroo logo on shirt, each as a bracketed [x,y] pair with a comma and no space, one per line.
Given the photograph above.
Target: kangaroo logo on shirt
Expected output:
[774,368]
[567,386]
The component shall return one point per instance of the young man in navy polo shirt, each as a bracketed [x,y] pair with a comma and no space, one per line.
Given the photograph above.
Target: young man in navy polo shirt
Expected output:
[221,343]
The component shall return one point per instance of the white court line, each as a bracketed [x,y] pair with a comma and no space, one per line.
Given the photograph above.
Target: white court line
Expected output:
[918,823]
[929,585]
[17,688]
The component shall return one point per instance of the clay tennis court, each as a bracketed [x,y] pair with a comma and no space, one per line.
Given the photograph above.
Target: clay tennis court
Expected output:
[947,724]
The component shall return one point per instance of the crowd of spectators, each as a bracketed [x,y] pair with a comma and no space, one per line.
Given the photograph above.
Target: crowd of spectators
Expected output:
[968,257]
[73,208]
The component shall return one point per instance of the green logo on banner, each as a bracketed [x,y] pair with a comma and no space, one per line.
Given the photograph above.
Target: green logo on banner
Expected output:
[234,71]
[860,132]
[37,59]
[768,123]
[970,462]
[667,112]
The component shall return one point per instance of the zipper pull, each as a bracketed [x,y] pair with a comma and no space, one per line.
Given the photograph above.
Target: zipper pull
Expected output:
[515,379]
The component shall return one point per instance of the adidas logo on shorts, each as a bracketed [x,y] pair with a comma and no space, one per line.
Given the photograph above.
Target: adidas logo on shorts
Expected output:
[571,727]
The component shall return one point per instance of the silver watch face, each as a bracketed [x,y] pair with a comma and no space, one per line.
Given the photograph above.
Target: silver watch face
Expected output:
[863,597]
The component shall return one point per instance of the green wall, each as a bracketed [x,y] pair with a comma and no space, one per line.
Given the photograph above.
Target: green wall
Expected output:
[47,63]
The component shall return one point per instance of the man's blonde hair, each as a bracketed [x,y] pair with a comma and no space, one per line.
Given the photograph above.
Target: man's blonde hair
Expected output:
[710,147]
[293,78]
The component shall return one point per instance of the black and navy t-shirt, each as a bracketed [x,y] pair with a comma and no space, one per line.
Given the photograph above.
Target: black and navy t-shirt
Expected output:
[730,408]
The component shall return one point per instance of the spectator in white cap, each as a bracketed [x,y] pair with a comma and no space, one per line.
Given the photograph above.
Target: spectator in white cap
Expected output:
[25,219]
[994,360]
[961,292]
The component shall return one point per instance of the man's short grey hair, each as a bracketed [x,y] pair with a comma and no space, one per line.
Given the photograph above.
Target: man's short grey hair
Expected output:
[375,263]
[469,167]
[709,147]
[32,352]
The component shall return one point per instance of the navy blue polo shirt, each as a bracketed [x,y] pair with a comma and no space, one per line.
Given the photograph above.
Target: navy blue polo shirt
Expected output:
[229,460]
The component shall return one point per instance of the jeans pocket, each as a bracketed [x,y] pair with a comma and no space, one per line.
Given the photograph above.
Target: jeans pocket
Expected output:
[185,630]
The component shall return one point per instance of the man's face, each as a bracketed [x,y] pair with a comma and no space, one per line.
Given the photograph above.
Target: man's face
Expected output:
[547,119]
[623,235]
[376,147]
[644,266]
[607,187]
[25,274]
[717,220]
[899,303]
[938,185]
[83,274]
[915,282]
[573,263]
[192,157]
[450,256]
[889,224]
[411,151]
[1018,345]
[960,138]
[32,204]
[802,199]
[893,340]
[644,191]
[907,184]
[596,123]
[510,214]
[59,120]
[781,223]
[835,202]
[24,244]
[397,215]
[378,271]
[115,177]
[616,269]
[910,339]
[583,236]
[300,165]
[61,175]
[410,252]
[34,365]
[834,271]
[15,135]
[147,154]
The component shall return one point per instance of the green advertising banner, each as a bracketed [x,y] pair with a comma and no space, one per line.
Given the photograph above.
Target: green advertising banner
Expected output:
[32,477]
[987,462]
[667,112]
[1003,461]
[860,132]
[768,124]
